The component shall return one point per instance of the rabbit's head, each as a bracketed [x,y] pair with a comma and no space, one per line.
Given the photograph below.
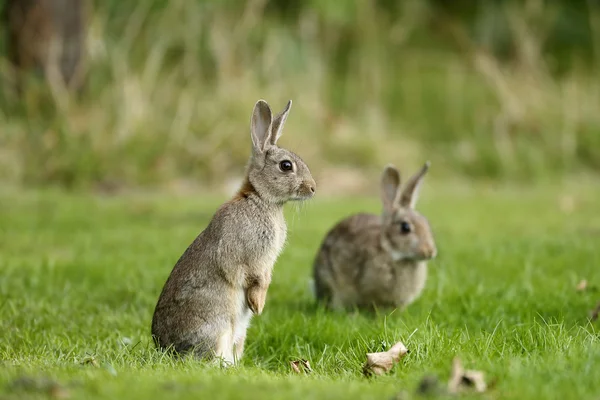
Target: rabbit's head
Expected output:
[406,234]
[276,174]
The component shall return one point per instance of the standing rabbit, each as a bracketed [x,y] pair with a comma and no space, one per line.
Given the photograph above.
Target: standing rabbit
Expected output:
[369,261]
[223,276]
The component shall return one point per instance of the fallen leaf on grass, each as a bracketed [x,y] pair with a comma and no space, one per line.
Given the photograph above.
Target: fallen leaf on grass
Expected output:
[581,286]
[298,364]
[461,377]
[380,363]
[595,313]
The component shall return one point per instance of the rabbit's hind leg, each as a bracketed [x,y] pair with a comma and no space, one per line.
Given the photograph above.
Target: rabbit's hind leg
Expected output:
[224,349]
[217,340]
[242,322]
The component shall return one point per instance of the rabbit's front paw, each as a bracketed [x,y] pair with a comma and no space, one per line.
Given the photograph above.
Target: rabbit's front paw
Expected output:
[256,298]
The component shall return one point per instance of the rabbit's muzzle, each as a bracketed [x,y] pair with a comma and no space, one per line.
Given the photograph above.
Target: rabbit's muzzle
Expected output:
[306,190]
[428,251]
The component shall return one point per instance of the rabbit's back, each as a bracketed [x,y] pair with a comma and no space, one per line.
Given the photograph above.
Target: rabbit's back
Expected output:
[187,301]
[205,289]
[343,257]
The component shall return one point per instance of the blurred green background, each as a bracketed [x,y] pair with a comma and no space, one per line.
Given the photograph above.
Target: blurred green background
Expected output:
[500,90]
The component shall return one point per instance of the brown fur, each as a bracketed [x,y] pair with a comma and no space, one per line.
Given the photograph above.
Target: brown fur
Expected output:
[223,276]
[245,191]
[365,260]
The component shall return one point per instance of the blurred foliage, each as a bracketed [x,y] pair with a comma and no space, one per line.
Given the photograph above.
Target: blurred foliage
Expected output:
[489,89]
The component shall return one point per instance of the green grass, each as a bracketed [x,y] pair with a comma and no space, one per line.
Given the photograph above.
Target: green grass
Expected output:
[80,275]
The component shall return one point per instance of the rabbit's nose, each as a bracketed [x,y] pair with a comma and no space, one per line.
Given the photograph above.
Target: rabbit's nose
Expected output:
[433,253]
[429,252]
[312,186]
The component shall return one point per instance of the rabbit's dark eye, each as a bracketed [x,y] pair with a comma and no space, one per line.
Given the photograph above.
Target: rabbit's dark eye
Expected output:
[286,165]
[405,227]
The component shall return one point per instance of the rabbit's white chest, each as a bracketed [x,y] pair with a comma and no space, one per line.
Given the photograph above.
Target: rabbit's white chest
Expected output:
[409,283]
[269,239]
[278,240]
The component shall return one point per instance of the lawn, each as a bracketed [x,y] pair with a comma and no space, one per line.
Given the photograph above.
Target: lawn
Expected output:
[80,275]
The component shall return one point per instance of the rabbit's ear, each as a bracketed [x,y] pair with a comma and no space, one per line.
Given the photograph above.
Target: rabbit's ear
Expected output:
[260,127]
[410,194]
[390,185]
[278,122]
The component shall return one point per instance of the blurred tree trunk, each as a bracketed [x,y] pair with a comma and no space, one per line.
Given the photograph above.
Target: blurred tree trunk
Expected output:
[48,36]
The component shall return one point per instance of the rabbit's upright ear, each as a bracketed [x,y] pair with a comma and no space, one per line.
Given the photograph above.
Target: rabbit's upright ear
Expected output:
[390,185]
[278,122]
[410,194]
[260,126]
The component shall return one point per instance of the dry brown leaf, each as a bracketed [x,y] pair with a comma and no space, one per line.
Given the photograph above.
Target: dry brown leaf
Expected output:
[595,313]
[475,379]
[380,363]
[294,365]
[300,365]
[455,376]
[461,377]
[582,285]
